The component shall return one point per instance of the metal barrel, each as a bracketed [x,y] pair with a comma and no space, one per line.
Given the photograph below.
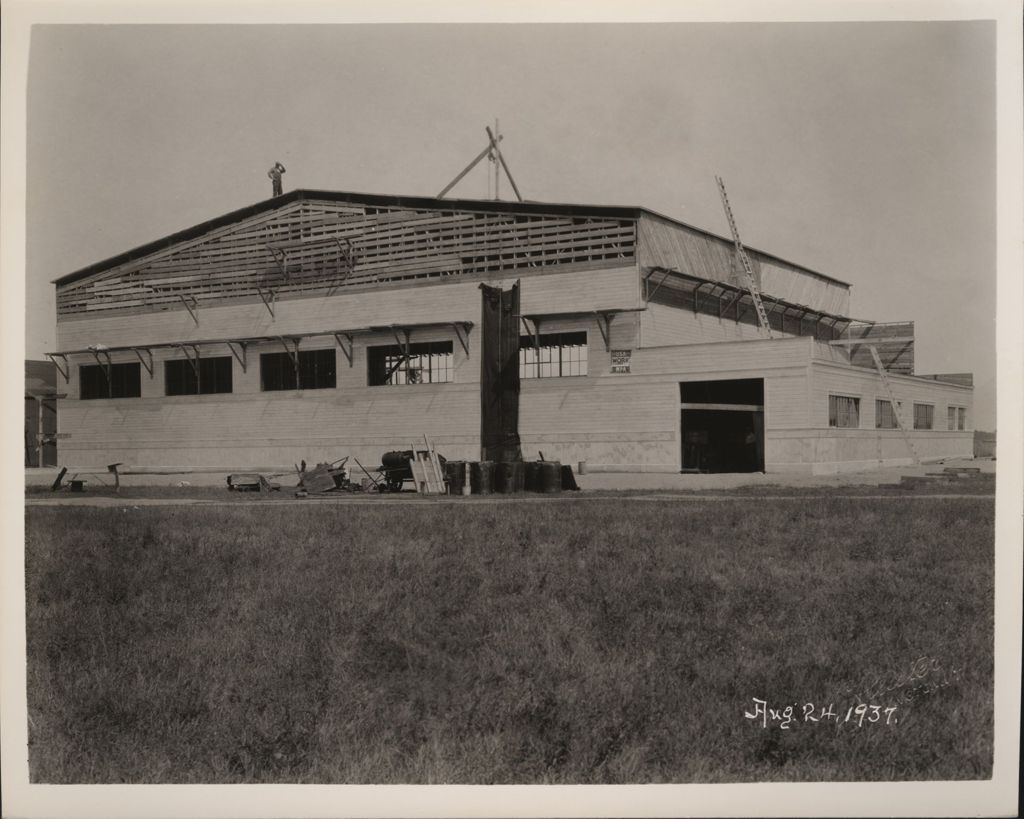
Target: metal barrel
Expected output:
[509,477]
[481,475]
[517,476]
[550,476]
[532,482]
[455,474]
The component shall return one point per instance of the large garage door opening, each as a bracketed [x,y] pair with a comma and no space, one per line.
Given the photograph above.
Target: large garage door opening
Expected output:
[723,425]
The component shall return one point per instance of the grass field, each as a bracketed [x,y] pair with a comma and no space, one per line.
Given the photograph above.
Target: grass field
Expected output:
[576,642]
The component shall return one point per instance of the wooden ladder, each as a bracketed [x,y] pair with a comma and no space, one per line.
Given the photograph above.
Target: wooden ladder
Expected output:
[896,409]
[426,471]
[755,293]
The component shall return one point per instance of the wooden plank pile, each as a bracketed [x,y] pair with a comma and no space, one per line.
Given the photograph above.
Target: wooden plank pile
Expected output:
[949,476]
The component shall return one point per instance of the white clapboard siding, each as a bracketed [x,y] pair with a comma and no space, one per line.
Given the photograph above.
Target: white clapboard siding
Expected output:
[828,378]
[273,428]
[753,357]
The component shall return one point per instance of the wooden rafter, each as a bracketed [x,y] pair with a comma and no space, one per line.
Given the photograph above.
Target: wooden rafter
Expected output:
[501,159]
[493,150]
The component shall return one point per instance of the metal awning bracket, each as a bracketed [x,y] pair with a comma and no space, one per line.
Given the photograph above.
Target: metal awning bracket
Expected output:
[269,297]
[293,351]
[293,354]
[402,343]
[732,301]
[281,258]
[105,365]
[462,334]
[604,324]
[148,365]
[534,334]
[192,308]
[65,370]
[649,294]
[238,350]
[696,297]
[348,351]
[193,360]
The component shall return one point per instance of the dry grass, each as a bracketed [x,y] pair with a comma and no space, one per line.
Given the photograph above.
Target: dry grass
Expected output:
[573,642]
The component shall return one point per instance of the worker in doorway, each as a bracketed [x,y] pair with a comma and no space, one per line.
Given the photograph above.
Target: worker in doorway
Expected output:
[275,177]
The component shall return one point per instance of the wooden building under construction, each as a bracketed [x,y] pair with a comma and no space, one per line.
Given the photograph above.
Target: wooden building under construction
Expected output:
[320,324]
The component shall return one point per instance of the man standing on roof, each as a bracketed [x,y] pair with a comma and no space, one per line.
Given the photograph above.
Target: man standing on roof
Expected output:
[275,176]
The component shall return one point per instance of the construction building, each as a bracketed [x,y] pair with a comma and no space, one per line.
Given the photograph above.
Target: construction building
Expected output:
[319,324]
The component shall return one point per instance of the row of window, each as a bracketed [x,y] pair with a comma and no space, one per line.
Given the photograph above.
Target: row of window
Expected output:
[553,355]
[844,412]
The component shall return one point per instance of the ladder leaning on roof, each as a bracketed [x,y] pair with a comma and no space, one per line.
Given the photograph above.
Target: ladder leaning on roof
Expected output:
[896,409]
[755,293]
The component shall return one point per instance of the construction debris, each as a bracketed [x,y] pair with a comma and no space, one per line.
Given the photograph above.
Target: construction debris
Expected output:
[324,477]
[949,476]
[250,482]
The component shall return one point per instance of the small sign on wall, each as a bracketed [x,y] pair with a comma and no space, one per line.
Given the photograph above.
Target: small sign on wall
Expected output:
[621,360]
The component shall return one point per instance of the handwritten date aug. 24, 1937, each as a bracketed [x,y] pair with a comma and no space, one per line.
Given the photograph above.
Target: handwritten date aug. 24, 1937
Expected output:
[785,717]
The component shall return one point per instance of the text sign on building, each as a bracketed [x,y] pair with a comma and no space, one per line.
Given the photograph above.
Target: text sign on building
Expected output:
[621,360]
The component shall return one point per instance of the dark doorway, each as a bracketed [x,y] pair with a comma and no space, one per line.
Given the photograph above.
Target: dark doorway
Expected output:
[722,425]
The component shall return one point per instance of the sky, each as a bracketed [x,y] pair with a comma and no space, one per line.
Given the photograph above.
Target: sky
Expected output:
[865,151]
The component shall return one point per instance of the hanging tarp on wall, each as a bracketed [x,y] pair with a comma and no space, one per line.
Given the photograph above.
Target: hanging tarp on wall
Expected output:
[499,374]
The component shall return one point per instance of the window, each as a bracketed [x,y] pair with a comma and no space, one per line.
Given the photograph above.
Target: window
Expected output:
[923,415]
[885,418]
[557,355]
[429,362]
[214,376]
[843,411]
[124,381]
[316,371]
[956,418]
